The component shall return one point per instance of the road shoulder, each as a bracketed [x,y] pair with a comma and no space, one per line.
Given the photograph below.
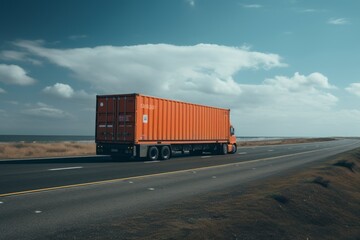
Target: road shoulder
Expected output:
[319,203]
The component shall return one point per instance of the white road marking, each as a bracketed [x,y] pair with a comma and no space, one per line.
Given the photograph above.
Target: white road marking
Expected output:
[151,189]
[242,153]
[193,171]
[152,161]
[270,150]
[206,157]
[37,211]
[131,182]
[253,168]
[213,176]
[66,168]
[1,202]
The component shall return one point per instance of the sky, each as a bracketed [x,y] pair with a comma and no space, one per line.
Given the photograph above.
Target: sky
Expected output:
[283,67]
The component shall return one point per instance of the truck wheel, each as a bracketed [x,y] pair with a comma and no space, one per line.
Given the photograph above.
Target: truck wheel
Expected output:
[234,149]
[165,153]
[224,149]
[153,153]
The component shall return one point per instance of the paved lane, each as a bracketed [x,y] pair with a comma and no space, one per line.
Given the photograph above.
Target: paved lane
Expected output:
[23,175]
[50,214]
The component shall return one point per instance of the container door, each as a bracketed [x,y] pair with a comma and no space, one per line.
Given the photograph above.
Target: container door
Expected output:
[115,118]
[125,131]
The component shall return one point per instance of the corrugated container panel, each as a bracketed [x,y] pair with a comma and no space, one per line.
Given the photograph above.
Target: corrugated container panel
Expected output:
[139,118]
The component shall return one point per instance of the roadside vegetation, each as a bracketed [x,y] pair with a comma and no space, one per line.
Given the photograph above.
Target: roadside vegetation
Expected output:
[322,202]
[51,149]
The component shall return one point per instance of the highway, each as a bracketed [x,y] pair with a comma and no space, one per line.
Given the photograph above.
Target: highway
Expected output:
[45,198]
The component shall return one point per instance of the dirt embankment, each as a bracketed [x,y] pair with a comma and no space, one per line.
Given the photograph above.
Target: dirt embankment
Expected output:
[320,203]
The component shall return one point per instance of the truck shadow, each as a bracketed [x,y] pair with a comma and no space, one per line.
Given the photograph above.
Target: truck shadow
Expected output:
[89,159]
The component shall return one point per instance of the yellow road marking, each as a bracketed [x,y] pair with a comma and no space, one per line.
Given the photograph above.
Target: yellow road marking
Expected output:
[155,174]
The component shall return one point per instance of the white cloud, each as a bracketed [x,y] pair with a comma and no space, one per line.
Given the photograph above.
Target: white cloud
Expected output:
[66,91]
[309,10]
[284,106]
[12,55]
[43,110]
[158,69]
[354,88]
[288,94]
[2,90]
[252,6]
[300,82]
[191,2]
[60,90]
[338,21]
[18,56]
[205,74]
[13,74]
[312,10]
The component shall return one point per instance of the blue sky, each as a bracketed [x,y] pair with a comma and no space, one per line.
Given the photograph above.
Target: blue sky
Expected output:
[283,67]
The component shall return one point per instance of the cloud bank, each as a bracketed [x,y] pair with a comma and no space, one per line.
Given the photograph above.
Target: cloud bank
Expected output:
[205,74]
[154,68]
[199,73]
[13,74]
[42,110]
[10,55]
[354,88]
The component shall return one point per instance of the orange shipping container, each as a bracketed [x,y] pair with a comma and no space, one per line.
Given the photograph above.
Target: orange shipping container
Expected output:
[132,124]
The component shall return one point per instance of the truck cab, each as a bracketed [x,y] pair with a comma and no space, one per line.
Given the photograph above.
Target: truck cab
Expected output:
[232,146]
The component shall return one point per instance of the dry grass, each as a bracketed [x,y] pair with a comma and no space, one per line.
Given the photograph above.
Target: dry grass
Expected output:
[58,149]
[320,203]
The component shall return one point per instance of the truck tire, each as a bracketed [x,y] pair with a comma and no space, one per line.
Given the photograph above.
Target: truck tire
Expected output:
[234,149]
[165,153]
[153,153]
[224,149]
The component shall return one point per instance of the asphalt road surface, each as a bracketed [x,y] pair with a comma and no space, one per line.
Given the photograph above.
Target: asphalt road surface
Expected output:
[40,199]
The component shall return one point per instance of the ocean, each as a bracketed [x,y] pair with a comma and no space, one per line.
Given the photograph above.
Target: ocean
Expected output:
[46,138]
[245,139]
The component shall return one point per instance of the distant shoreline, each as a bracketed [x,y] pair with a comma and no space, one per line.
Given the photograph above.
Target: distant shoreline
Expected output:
[44,138]
[34,149]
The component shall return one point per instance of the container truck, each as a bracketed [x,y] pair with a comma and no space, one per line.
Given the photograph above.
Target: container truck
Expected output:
[140,126]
